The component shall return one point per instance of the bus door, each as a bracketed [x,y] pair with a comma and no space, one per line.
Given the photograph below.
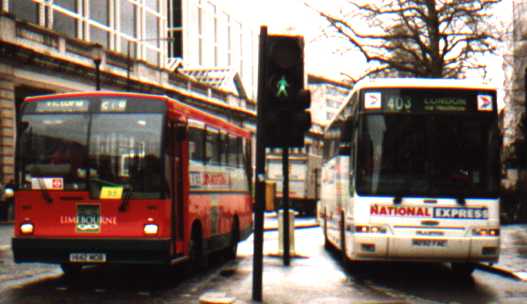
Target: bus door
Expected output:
[178,137]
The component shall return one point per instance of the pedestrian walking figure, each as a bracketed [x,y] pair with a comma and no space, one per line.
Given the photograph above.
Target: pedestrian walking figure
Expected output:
[282,87]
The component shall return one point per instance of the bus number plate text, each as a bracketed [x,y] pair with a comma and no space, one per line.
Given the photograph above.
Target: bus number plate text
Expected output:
[429,243]
[87,257]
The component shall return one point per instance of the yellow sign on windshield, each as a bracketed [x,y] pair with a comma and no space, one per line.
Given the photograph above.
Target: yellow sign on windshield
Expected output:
[111,193]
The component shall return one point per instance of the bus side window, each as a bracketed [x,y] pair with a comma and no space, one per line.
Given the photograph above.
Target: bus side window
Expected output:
[232,152]
[224,149]
[196,144]
[212,147]
[345,139]
[239,152]
[353,155]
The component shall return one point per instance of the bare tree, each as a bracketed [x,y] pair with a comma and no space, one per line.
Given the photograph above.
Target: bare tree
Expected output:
[420,38]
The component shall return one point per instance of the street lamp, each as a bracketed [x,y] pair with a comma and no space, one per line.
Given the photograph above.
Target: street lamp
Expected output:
[97,53]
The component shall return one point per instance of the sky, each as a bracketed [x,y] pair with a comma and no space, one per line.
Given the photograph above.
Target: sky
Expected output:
[293,17]
[325,55]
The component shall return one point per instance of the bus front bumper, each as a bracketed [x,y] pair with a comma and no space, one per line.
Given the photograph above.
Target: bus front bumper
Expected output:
[470,249]
[115,251]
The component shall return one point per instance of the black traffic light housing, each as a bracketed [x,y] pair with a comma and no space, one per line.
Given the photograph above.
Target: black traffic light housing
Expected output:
[285,101]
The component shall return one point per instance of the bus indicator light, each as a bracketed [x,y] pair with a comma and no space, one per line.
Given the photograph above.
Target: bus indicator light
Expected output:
[486,232]
[485,103]
[373,101]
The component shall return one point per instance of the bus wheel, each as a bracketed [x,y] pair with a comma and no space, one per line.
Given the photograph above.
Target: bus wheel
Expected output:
[463,269]
[198,259]
[344,255]
[235,238]
[327,244]
[71,270]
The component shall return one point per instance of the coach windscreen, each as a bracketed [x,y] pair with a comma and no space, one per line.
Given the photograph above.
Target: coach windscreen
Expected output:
[423,142]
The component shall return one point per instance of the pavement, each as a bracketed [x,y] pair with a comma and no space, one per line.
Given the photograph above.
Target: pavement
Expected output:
[513,254]
[6,232]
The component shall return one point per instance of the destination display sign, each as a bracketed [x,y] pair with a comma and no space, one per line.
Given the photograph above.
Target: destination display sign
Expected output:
[113,105]
[62,106]
[103,104]
[428,101]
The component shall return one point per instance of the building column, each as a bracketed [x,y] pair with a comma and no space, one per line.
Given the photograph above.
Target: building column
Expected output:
[7,123]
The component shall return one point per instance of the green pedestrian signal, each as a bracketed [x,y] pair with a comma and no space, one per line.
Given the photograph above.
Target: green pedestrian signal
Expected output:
[282,86]
[285,102]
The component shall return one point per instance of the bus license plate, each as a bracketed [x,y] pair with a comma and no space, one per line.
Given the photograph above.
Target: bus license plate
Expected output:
[87,257]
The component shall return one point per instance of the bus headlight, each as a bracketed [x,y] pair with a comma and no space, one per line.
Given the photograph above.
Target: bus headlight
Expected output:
[151,229]
[370,229]
[486,232]
[27,228]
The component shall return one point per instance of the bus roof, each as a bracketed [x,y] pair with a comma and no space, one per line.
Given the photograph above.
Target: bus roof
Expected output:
[419,83]
[174,106]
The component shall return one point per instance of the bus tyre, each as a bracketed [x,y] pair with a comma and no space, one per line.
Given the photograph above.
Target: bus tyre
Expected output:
[198,259]
[71,271]
[235,238]
[344,255]
[327,244]
[463,269]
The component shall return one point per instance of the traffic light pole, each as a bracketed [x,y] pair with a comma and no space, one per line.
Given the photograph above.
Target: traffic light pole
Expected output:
[285,203]
[259,177]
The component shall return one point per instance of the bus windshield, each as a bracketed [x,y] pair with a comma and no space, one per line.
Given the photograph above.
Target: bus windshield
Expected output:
[125,149]
[428,155]
[54,145]
[91,150]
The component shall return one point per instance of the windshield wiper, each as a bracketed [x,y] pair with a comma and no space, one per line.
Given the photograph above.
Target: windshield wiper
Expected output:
[44,191]
[398,198]
[42,185]
[102,181]
[460,199]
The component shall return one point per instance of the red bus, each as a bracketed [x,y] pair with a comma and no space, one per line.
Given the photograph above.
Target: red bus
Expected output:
[126,178]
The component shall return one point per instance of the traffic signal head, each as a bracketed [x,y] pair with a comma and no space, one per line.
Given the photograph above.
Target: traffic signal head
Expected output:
[284,99]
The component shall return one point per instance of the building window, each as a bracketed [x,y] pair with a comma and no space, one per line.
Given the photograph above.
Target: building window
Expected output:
[175,31]
[236,46]
[200,34]
[64,24]
[99,36]
[153,4]
[216,42]
[177,17]
[99,11]
[176,44]
[128,18]
[26,10]
[152,56]
[152,30]
[229,39]
[67,4]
